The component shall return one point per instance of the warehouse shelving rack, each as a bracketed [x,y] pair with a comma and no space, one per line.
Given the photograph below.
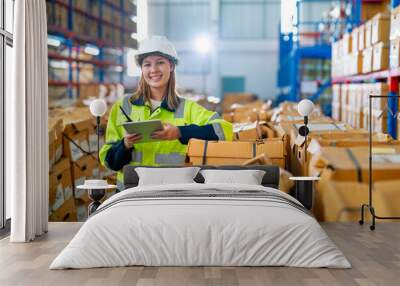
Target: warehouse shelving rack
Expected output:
[291,52]
[74,40]
[392,76]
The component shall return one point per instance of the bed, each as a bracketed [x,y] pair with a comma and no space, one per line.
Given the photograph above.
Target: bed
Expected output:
[197,224]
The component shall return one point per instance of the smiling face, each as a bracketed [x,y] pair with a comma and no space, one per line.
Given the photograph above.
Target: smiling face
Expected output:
[156,71]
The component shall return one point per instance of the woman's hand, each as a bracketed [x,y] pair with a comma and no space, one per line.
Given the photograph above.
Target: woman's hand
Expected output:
[170,132]
[131,139]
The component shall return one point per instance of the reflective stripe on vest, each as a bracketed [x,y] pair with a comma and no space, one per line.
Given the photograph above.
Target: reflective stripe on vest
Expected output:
[219,131]
[180,110]
[215,116]
[120,185]
[170,159]
[127,105]
[137,156]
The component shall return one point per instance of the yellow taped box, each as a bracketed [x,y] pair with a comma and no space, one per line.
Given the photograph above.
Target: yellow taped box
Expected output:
[236,152]
[351,164]
[337,201]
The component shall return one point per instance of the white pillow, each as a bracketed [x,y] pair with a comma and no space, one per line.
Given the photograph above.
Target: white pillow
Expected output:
[166,176]
[248,177]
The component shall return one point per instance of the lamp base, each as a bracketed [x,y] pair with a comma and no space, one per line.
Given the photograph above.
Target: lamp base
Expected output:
[95,195]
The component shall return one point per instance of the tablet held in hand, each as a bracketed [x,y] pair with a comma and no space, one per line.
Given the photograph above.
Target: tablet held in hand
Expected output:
[144,128]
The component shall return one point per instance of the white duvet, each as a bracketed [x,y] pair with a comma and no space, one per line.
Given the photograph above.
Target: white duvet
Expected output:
[188,231]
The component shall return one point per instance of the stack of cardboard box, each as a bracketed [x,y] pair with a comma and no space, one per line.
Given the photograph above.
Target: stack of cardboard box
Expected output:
[339,155]
[61,201]
[253,135]
[230,99]
[241,108]
[380,27]
[366,48]
[350,104]
[256,141]
[79,145]
[380,110]
[299,159]
[395,38]
[344,181]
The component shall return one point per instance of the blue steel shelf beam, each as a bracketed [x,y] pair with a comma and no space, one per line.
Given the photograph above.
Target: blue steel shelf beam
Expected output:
[291,52]
[75,42]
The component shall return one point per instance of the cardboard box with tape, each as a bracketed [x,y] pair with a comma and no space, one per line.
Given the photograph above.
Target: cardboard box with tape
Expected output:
[380,28]
[296,147]
[255,105]
[380,57]
[236,98]
[253,131]
[395,23]
[67,212]
[351,164]
[246,116]
[56,128]
[60,184]
[344,180]
[202,152]
[82,169]
[394,57]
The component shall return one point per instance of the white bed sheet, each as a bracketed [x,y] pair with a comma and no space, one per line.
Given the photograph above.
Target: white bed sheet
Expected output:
[200,231]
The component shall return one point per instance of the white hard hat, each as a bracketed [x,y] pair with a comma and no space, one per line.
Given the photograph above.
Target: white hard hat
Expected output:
[156,45]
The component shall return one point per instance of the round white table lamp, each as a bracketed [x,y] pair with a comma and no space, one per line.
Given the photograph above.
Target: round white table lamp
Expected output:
[305,107]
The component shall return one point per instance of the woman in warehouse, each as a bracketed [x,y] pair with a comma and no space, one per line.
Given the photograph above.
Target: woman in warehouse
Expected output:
[156,98]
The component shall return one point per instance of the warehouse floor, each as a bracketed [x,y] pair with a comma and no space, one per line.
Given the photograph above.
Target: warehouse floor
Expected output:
[375,257]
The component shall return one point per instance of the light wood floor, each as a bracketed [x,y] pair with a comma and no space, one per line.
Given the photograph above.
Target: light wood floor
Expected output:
[375,257]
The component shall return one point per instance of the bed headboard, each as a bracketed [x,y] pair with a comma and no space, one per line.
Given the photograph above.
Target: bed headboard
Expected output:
[270,179]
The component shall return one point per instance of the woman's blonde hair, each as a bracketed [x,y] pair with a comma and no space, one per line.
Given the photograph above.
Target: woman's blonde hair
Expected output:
[172,95]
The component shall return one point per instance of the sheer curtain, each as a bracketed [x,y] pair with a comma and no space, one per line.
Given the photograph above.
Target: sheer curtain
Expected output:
[26,130]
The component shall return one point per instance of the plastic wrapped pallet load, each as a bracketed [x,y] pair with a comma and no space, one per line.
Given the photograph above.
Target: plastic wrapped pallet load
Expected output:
[344,181]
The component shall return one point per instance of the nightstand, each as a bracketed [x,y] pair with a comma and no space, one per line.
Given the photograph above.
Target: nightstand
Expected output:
[304,190]
[96,192]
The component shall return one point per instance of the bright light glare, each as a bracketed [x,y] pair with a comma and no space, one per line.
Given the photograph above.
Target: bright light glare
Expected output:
[53,42]
[132,68]
[59,64]
[118,69]
[203,44]
[214,99]
[91,50]
[288,16]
